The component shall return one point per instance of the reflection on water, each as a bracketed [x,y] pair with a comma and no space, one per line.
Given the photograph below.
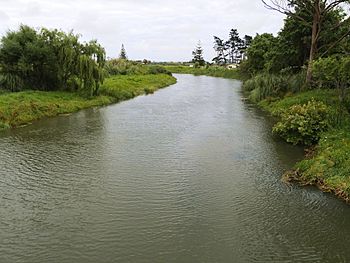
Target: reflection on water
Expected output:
[189,174]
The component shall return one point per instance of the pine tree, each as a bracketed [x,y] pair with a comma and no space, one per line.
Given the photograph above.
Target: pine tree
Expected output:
[234,46]
[198,55]
[220,48]
[122,54]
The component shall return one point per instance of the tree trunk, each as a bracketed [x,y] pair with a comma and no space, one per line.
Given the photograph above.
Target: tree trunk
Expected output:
[314,38]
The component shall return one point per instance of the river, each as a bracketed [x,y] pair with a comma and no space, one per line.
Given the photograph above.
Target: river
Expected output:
[188,174]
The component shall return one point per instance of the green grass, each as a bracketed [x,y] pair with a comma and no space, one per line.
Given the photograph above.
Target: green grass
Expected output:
[213,71]
[22,108]
[126,87]
[328,167]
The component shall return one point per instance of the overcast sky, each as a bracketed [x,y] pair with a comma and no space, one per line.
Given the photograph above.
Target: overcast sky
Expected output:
[160,30]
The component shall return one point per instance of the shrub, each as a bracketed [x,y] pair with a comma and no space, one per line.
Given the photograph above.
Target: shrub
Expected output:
[10,82]
[333,72]
[153,69]
[116,67]
[303,124]
[296,82]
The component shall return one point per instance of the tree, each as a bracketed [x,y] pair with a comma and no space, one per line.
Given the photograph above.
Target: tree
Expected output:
[257,52]
[50,60]
[234,45]
[198,55]
[333,72]
[122,54]
[220,49]
[317,10]
[246,42]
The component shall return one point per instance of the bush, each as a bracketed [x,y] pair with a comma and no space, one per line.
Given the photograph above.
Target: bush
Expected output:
[157,70]
[10,82]
[116,67]
[296,82]
[333,73]
[303,124]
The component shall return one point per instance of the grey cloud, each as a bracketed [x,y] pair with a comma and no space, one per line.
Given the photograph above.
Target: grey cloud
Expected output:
[153,29]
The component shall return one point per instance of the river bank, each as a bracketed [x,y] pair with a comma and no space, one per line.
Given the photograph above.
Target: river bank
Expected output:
[327,163]
[213,71]
[22,108]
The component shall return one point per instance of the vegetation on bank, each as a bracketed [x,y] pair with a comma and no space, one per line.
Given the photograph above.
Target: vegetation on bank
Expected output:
[321,122]
[21,108]
[127,87]
[302,79]
[214,71]
[45,73]
[50,60]
[24,107]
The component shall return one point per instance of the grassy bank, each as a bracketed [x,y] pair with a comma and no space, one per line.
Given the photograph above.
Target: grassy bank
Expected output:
[123,87]
[327,164]
[210,71]
[22,108]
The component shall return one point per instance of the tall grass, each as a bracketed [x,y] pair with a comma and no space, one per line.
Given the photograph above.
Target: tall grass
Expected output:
[263,86]
[24,107]
[127,87]
[126,67]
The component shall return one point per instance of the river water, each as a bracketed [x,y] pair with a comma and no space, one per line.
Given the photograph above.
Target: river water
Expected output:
[189,174]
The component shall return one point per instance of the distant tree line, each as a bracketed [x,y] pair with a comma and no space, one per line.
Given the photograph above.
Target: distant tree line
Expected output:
[231,51]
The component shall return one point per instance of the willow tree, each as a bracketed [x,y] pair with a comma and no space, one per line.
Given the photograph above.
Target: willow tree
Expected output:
[318,10]
[91,63]
[50,60]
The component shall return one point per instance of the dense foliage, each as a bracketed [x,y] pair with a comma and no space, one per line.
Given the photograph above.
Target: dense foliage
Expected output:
[317,16]
[290,49]
[281,65]
[333,72]
[127,67]
[327,164]
[303,124]
[50,60]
